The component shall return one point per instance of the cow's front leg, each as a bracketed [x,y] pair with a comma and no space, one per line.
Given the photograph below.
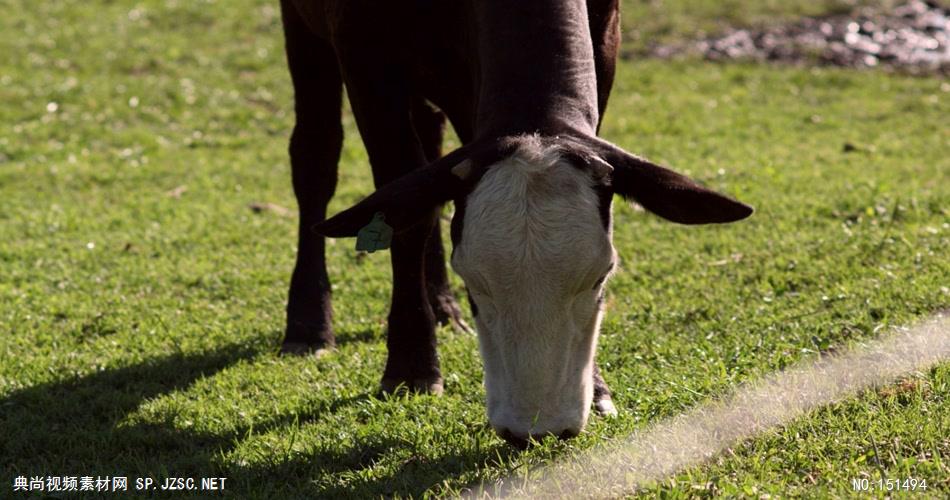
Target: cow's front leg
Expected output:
[441,299]
[430,129]
[413,362]
[382,106]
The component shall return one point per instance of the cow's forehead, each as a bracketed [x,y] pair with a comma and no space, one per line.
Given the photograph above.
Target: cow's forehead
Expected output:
[533,211]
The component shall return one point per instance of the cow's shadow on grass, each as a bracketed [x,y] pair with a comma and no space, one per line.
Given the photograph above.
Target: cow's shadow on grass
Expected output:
[79,427]
[74,426]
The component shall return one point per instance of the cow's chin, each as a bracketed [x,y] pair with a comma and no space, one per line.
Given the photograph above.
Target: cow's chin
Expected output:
[540,389]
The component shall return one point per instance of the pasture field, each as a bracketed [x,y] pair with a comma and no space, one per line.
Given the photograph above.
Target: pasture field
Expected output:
[141,299]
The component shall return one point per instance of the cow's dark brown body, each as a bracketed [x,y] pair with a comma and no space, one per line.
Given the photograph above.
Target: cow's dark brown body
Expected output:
[494,68]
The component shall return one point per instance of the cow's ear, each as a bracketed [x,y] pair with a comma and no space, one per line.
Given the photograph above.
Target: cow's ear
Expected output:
[668,194]
[399,204]
[405,201]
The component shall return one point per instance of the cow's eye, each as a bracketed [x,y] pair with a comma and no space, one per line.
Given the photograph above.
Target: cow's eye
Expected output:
[600,281]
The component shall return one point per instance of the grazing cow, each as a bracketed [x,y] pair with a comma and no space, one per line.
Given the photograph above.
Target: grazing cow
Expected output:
[524,83]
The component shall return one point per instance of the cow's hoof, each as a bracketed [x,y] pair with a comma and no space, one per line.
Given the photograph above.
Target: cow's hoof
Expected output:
[448,312]
[303,338]
[418,386]
[605,408]
[291,348]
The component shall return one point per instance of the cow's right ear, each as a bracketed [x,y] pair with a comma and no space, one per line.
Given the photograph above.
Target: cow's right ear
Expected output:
[405,201]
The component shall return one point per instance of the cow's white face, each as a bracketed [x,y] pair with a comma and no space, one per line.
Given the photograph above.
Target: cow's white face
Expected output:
[534,254]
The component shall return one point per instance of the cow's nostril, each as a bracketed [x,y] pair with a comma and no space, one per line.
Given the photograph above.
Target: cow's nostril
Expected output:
[567,434]
[513,440]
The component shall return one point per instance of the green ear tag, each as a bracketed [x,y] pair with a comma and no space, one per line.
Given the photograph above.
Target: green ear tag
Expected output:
[377,235]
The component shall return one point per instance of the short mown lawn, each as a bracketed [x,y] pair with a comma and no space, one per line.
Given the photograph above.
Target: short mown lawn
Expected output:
[142,300]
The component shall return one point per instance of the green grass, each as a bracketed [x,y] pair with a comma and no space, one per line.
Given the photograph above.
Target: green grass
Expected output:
[138,330]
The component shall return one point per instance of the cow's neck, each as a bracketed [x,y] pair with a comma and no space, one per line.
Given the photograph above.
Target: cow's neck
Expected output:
[536,68]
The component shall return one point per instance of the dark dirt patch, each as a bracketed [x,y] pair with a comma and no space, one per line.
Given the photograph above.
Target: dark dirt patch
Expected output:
[913,37]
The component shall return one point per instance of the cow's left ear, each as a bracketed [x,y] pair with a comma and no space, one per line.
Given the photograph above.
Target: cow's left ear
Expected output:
[666,193]
[405,201]
[399,204]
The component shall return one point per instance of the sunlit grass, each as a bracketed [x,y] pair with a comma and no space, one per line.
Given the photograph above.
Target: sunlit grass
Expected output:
[141,301]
